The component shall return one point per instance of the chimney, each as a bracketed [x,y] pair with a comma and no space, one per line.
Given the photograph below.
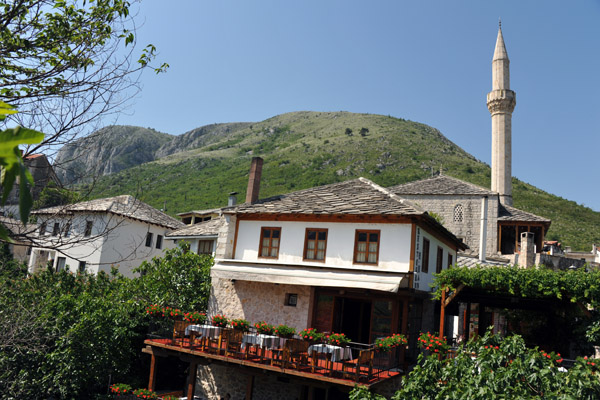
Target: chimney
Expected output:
[483,229]
[527,257]
[232,199]
[254,180]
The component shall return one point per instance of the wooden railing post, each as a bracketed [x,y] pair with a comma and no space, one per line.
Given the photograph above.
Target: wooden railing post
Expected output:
[152,378]
[191,380]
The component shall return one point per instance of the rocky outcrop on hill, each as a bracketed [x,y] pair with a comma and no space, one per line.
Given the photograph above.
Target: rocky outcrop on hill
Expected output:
[107,151]
[199,137]
[115,148]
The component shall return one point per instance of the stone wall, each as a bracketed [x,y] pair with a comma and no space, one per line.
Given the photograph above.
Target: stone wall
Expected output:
[215,382]
[259,301]
[467,229]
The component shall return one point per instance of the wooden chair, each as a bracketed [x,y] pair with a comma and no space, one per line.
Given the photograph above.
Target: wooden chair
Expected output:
[215,344]
[362,366]
[179,331]
[233,346]
[296,354]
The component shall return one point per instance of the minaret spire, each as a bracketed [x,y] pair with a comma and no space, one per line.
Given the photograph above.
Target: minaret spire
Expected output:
[501,102]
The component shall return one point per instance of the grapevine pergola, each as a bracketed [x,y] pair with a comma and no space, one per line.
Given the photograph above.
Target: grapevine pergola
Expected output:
[518,288]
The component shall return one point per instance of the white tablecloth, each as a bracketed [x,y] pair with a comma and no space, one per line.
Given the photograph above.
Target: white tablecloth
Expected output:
[263,341]
[206,330]
[337,353]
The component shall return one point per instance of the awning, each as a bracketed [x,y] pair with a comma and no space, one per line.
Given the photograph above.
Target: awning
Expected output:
[310,275]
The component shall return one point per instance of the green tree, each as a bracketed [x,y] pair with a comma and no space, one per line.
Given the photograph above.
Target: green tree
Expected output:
[179,279]
[64,63]
[53,195]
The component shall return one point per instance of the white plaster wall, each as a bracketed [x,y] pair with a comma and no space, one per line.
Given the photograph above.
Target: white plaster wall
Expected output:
[423,280]
[114,241]
[394,246]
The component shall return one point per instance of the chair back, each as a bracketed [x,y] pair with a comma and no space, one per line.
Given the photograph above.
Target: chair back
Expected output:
[179,328]
[365,357]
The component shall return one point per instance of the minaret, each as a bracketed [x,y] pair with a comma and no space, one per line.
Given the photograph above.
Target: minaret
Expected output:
[501,102]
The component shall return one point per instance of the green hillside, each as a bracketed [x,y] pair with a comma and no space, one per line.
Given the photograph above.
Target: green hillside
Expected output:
[305,149]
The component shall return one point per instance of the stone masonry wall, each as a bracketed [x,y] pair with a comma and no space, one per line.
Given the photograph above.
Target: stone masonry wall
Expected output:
[259,301]
[469,228]
[216,382]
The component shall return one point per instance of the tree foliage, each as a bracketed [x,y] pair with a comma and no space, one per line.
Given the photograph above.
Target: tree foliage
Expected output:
[490,368]
[69,335]
[179,279]
[63,63]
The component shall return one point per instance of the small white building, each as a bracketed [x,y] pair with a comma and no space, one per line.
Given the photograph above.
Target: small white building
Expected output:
[201,236]
[96,235]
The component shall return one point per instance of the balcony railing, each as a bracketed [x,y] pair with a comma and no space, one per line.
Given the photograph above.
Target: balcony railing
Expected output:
[356,362]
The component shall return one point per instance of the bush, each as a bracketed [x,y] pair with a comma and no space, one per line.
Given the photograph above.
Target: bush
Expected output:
[285,331]
[264,329]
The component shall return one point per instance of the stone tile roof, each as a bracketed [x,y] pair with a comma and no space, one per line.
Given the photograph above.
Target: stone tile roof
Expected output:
[125,205]
[201,212]
[508,213]
[464,260]
[440,185]
[16,227]
[357,196]
[206,228]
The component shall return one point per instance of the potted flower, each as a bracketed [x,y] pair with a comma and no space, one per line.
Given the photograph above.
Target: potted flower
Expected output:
[220,320]
[195,317]
[390,342]
[120,389]
[240,324]
[311,335]
[154,310]
[145,394]
[285,331]
[175,313]
[338,339]
[434,344]
[264,329]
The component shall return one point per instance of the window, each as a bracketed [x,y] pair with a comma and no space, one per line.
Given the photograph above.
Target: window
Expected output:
[291,299]
[439,260]
[425,266]
[149,239]
[450,261]
[458,213]
[81,267]
[56,229]
[366,247]
[315,244]
[61,262]
[68,229]
[88,228]
[43,229]
[269,242]
[205,246]
[159,240]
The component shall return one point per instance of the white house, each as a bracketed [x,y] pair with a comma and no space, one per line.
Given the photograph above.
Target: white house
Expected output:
[201,236]
[349,257]
[96,235]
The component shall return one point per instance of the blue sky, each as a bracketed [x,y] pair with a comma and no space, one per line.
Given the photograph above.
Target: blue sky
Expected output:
[427,61]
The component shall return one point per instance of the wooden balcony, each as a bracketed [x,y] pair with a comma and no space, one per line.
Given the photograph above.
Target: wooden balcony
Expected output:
[357,364]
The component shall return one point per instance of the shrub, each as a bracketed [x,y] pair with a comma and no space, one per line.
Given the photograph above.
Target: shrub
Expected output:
[120,388]
[196,317]
[285,331]
[435,344]
[388,343]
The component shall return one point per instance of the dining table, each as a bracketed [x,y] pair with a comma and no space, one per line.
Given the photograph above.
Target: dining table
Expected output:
[338,353]
[263,342]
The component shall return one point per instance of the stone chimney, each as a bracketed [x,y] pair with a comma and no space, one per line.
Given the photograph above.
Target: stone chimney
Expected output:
[232,201]
[527,254]
[254,180]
